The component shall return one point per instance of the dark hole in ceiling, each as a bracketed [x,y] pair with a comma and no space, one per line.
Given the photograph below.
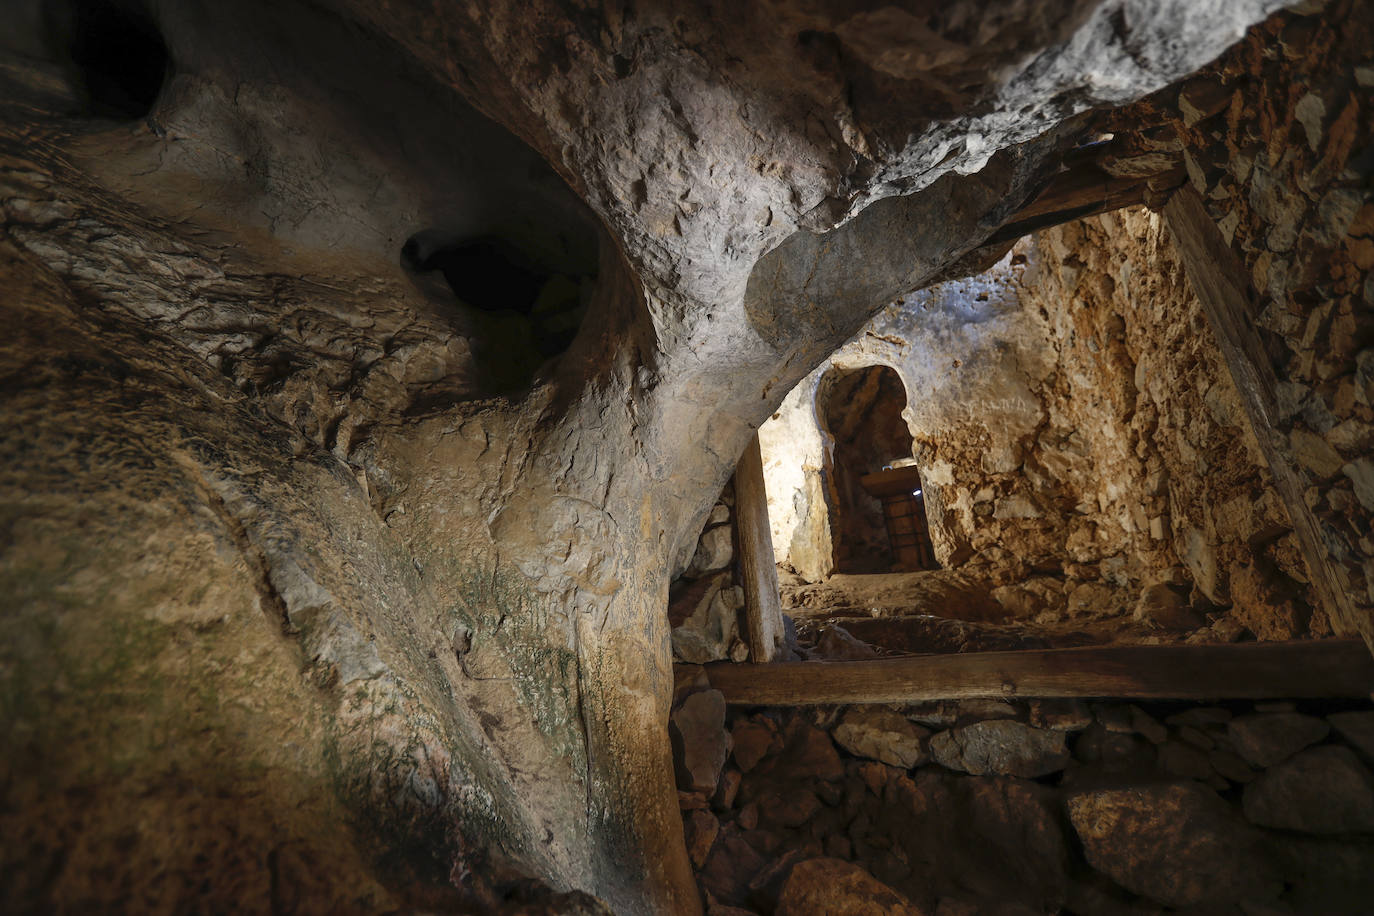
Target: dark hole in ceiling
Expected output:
[120,56]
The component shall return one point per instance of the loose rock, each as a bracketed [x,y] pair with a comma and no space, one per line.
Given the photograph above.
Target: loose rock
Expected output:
[835,886]
[1321,790]
[700,724]
[1357,728]
[1002,747]
[881,734]
[754,739]
[1179,844]
[1266,739]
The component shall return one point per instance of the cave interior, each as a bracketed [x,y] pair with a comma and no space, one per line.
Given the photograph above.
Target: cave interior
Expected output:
[636,457]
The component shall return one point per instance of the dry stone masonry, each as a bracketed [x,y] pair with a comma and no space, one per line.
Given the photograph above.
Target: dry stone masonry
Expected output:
[989,806]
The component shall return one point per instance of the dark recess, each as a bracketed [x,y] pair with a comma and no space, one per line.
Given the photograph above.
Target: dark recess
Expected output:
[522,311]
[120,56]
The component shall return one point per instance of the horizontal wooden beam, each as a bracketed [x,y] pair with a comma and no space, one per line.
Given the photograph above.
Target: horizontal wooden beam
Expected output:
[1256,670]
[1085,192]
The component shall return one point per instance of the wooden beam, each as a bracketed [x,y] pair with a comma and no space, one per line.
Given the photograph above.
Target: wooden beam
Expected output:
[1259,670]
[1222,285]
[758,569]
[1084,191]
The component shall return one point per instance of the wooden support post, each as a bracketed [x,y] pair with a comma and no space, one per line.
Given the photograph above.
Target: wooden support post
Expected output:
[1326,668]
[1222,285]
[762,601]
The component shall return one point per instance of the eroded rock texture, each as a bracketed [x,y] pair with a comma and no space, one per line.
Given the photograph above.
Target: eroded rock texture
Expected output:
[351,437]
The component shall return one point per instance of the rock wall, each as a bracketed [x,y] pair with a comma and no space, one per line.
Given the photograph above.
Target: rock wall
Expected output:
[986,806]
[705,600]
[1276,138]
[1175,480]
[1079,437]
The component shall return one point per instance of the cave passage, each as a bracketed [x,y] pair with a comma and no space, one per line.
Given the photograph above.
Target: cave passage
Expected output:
[376,372]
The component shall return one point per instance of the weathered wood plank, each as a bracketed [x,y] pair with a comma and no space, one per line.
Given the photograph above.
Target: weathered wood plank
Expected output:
[758,569]
[1222,285]
[1258,670]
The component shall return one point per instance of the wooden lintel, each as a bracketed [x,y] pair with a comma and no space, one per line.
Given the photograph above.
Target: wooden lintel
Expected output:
[1222,286]
[758,569]
[1331,668]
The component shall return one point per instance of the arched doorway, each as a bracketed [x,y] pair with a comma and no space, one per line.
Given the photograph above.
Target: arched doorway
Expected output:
[877,521]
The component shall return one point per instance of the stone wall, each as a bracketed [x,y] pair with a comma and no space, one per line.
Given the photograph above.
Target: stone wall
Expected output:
[1278,140]
[985,806]
[705,599]
[1080,440]
[1176,481]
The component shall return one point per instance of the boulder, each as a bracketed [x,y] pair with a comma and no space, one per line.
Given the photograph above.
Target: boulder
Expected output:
[881,734]
[1265,739]
[754,738]
[1001,747]
[700,726]
[1357,728]
[701,828]
[1321,790]
[730,866]
[820,886]
[1177,844]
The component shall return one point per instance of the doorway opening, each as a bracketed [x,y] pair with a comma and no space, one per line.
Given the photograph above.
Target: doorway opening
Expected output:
[877,518]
